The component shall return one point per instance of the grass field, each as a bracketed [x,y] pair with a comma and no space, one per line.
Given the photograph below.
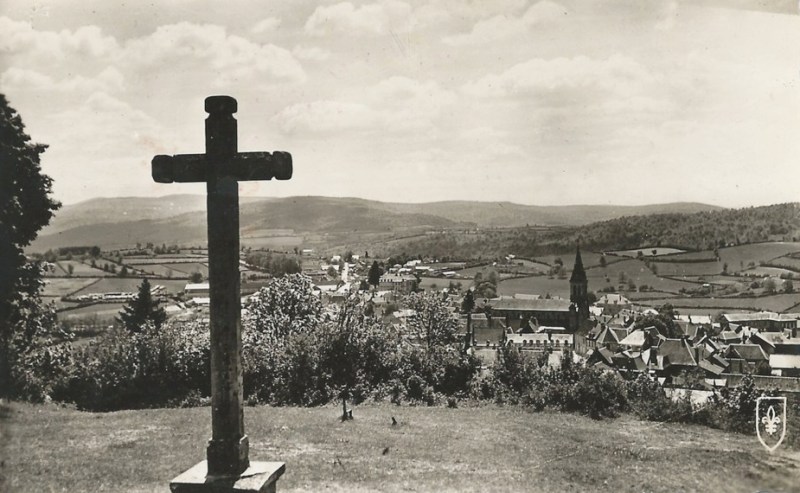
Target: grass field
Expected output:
[163,270]
[738,257]
[757,252]
[79,269]
[776,303]
[765,271]
[648,252]
[102,311]
[633,269]
[189,268]
[130,285]
[792,262]
[279,242]
[433,449]
[688,269]
[61,286]
[535,285]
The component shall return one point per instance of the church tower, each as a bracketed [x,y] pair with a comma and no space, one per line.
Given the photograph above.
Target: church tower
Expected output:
[579,291]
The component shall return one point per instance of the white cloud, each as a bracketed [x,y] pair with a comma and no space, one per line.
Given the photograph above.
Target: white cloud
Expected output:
[210,47]
[538,77]
[30,47]
[325,116]
[393,105]
[373,18]
[23,80]
[311,53]
[509,26]
[268,25]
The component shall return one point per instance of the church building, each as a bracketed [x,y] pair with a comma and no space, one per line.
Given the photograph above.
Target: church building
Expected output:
[572,315]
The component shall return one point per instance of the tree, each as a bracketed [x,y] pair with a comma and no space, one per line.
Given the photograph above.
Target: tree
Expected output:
[433,322]
[603,261]
[141,310]
[664,322]
[194,277]
[25,208]
[769,286]
[486,287]
[788,286]
[468,303]
[374,275]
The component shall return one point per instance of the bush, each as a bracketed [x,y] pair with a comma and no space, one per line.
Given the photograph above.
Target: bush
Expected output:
[597,394]
[733,409]
[648,400]
[152,368]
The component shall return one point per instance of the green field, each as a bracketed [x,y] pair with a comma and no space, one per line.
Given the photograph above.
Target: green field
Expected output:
[589,259]
[764,271]
[633,269]
[648,252]
[468,449]
[278,242]
[688,269]
[535,285]
[162,270]
[189,268]
[103,311]
[738,257]
[130,285]
[171,259]
[62,286]
[792,263]
[79,269]
[776,303]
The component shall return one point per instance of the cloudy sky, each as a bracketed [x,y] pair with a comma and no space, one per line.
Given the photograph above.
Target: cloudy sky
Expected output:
[536,102]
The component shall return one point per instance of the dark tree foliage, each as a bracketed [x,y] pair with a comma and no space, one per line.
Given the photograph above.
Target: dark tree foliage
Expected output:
[664,322]
[276,264]
[25,208]
[142,310]
[468,303]
[375,273]
[699,231]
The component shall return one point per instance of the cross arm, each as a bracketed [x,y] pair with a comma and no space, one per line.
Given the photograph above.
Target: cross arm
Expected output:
[243,166]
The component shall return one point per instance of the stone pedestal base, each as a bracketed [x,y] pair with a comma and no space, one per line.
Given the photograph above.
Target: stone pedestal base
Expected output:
[260,477]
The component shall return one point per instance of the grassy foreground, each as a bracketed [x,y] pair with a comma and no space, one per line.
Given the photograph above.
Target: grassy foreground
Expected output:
[47,448]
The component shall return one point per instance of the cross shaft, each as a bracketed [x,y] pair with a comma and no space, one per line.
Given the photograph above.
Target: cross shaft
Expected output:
[221,167]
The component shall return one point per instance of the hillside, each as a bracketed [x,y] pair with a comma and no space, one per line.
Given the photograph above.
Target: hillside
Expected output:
[508,214]
[697,231]
[432,449]
[118,222]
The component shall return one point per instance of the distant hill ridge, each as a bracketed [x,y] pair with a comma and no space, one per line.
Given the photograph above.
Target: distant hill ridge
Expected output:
[113,222]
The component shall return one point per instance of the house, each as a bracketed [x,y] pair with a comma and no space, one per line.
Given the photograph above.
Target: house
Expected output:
[487,331]
[785,365]
[777,342]
[640,339]
[752,353]
[401,283]
[767,321]
[677,355]
[519,312]
[195,290]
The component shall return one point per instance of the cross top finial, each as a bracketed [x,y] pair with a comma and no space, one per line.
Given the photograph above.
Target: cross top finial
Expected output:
[221,105]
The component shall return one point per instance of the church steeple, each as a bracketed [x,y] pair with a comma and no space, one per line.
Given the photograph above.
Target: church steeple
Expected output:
[578,272]
[579,290]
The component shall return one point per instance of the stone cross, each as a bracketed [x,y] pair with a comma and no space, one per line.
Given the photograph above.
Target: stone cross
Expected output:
[222,167]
